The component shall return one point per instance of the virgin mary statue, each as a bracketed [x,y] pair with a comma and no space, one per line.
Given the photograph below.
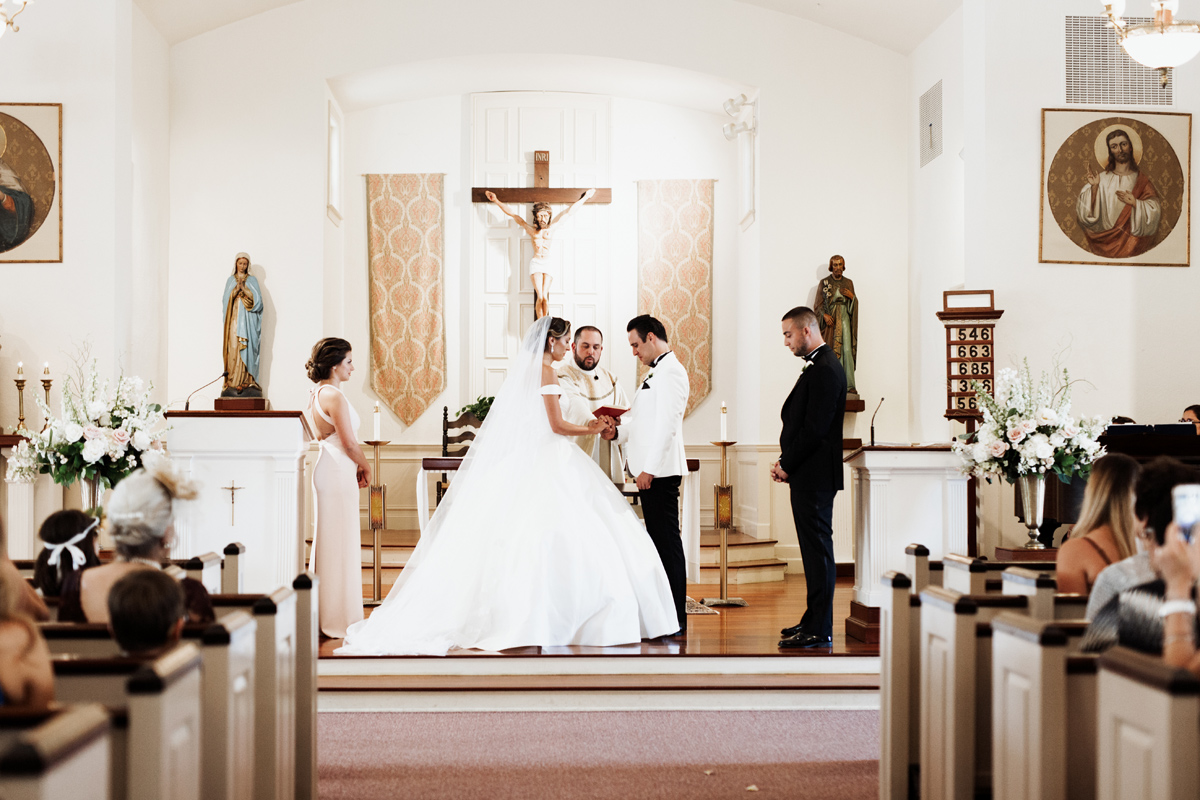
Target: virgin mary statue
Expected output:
[243,331]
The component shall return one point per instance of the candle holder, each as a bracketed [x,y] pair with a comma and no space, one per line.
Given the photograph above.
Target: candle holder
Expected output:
[378,513]
[20,403]
[723,513]
[46,385]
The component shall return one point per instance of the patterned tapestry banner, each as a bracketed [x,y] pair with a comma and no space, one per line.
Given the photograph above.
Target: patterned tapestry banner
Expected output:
[408,325]
[675,260]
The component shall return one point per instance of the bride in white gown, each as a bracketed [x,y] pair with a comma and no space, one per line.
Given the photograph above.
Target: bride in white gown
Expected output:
[532,544]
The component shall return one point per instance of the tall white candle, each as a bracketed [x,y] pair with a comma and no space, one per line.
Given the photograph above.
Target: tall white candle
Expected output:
[377,439]
[20,369]
[46,370]
[724,425]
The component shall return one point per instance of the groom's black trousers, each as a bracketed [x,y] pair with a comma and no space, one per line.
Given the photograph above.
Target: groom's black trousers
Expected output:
[660,509]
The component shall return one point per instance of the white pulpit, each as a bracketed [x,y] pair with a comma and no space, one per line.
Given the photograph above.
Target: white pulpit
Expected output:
[903,495]
[261,455]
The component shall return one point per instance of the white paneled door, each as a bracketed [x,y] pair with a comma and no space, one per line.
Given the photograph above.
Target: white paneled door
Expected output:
[507,128]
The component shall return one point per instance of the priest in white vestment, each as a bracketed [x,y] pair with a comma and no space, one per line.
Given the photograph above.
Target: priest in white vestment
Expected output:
[588,386]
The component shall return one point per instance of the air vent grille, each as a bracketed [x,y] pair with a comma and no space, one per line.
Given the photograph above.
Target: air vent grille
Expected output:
[1100,72]
[931,124]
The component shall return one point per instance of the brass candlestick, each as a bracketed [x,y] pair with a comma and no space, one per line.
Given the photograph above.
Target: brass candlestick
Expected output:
[378,507]
[20,403]
[46,385]
[723,513]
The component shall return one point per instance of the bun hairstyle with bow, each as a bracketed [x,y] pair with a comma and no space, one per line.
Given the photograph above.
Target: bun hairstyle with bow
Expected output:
[141,511]
[69,544]
[326,354]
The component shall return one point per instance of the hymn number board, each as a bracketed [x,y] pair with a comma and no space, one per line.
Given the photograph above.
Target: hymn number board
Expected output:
[970,320]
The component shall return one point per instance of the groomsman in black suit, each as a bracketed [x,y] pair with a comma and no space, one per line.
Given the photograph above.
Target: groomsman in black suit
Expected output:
[811,465]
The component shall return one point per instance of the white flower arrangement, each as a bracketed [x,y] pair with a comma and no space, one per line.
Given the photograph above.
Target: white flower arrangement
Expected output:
[1029,430]
[100,434]
[23,464]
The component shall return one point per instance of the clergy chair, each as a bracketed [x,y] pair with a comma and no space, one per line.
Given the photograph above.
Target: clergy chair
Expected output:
[456,444]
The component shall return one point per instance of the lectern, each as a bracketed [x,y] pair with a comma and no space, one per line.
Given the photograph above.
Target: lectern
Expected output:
[250,465]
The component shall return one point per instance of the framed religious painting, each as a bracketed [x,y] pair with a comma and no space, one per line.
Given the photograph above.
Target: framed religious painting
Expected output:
[1115,188]
[30,182]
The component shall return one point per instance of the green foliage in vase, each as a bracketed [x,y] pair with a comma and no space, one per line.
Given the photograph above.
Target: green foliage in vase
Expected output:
[479,408]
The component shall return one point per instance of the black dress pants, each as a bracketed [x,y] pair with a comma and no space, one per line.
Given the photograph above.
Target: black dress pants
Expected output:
[660,509]
[813,514]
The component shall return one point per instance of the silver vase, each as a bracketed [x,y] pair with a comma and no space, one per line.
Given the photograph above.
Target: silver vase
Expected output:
[1033,502]
[91,493]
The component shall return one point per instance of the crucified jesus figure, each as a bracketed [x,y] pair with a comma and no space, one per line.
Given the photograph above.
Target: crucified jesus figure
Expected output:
[542,271]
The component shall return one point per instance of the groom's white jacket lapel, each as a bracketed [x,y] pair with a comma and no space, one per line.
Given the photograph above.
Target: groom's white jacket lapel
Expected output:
[652,429]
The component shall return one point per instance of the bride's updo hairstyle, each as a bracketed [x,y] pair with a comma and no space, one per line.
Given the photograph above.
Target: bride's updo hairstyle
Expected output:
[141,510]
[326,354]
[559,328]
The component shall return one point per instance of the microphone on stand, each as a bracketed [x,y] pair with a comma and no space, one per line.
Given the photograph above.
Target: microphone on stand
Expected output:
[187,403]
[873,421]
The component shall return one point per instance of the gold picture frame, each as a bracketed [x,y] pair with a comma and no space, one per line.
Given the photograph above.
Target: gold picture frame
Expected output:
[1138,210]
[31,203]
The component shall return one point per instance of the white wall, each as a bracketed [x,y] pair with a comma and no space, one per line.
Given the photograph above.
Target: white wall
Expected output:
[833,122]
[935,225]
[67,52]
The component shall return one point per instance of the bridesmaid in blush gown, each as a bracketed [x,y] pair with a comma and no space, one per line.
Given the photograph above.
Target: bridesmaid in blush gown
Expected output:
[341,470]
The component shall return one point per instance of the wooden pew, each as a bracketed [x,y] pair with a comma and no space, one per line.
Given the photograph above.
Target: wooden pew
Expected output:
[918,568]
[1043,712]
[955,695]
[231,570]
[1148,717]
[1039,587]
[51,755]
[162,699]
[307,642]
[227,735]
[899,688]
[275,713]
[206,569]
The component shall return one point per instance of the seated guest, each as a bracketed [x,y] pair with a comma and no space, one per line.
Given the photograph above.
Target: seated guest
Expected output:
[26,676]
[69,545]
[1192,414]
[30,603]
[1104,533]
[1178,561]
[1126,597]
[140,517]
[1123,421]
[146,613]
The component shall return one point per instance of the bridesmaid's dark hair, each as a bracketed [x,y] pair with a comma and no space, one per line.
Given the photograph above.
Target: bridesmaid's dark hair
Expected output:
[59,527]
[326,354]
[559,328]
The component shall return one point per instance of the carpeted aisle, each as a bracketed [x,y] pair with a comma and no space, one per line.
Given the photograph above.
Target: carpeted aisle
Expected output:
[599,754]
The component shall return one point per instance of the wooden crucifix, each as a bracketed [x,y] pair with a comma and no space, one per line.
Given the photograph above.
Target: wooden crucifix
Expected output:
[542,270]
[231,488]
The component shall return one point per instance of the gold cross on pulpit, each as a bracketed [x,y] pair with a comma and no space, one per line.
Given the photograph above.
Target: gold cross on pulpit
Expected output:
[231,489]
[541,269]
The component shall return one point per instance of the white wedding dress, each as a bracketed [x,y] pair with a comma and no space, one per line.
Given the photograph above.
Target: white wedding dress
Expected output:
[532,545]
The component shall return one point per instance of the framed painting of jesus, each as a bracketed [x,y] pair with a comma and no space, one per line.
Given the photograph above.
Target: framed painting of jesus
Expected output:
[31,183]
[1115,188]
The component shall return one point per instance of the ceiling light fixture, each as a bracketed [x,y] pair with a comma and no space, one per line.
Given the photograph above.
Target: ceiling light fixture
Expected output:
[1162,44]
[9,9]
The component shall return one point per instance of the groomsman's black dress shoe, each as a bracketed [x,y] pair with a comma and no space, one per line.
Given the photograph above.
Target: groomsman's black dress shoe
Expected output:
[787,633]
[806,640]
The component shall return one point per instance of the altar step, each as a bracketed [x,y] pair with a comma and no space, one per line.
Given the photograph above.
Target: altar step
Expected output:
[750,560]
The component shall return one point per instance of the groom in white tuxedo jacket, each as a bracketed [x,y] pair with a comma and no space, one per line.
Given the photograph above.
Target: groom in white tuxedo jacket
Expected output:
[652,433]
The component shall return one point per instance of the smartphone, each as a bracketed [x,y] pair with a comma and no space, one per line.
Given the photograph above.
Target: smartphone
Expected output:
[1185,507]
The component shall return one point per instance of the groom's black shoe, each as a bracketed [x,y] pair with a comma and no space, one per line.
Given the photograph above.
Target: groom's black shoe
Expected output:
[806,640]
[787,633]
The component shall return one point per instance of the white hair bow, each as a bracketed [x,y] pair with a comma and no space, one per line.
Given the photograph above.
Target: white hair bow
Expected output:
[78,559]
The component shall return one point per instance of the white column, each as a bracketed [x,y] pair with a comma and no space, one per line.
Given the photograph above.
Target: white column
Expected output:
[19,516]
[287,501]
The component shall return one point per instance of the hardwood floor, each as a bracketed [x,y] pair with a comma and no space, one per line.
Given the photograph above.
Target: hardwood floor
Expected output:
[749,631]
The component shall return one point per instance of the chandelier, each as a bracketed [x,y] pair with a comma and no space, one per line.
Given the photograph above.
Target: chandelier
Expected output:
[1161,44]
[9,9]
